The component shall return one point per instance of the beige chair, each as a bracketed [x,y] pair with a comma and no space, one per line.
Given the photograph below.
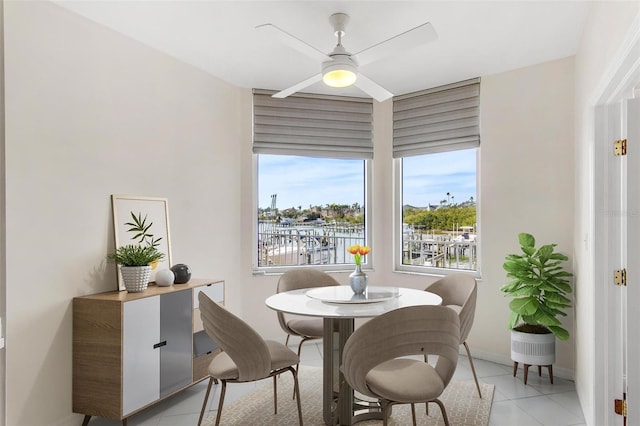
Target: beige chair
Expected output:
[459,292]
[375,359]
[305,328]
[245,356]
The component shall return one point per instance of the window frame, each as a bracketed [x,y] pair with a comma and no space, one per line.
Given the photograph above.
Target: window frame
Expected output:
[398,228]
[347,267]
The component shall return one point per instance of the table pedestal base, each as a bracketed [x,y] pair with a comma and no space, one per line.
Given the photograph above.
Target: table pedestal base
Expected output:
[352,410]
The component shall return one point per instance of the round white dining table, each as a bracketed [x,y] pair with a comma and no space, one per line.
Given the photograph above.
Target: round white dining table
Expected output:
[339,307]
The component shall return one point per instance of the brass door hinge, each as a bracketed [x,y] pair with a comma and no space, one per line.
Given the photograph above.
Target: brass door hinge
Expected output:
[620,407]
[620,147]
[620,277]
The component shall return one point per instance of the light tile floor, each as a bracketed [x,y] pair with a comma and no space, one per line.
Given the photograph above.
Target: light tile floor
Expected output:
[514,404]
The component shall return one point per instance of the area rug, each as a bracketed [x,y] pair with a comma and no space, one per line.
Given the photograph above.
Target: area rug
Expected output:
[256,407]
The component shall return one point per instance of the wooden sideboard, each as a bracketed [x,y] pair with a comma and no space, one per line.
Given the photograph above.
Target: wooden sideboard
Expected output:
[132,350]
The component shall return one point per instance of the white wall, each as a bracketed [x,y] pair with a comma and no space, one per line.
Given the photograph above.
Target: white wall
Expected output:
[526,185]
[91,113]
[601,43]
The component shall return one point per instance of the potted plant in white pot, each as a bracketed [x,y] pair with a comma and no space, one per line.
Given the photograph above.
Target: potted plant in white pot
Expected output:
[539,286]
[135,264]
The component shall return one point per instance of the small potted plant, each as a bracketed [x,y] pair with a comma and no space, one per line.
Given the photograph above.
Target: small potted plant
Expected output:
[539,286]
[135,264]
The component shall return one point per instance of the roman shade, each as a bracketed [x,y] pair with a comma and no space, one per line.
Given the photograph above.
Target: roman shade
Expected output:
[444,118]
[312,125]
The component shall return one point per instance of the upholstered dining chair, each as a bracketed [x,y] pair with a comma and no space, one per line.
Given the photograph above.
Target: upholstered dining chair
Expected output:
[245,355]
[459,292]
[305,328]
[376,362]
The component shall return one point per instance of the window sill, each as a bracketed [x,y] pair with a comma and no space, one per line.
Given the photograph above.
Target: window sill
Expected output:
[331,269]
[434,272]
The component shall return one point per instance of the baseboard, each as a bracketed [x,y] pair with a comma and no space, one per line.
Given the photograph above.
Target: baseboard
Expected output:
[563,373]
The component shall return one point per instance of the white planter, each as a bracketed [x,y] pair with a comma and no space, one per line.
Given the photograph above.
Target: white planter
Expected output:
[136,278]
[533,349]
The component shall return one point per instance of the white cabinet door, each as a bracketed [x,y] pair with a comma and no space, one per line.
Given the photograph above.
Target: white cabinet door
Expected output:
[141,361]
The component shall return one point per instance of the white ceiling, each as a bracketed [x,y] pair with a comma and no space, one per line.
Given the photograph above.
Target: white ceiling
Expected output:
[475,38]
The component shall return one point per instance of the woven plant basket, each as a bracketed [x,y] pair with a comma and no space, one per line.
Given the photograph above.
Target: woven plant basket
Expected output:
[136,278]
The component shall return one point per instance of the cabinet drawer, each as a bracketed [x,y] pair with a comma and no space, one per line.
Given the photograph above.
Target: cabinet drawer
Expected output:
[201,365]
[202,344]
[215,291]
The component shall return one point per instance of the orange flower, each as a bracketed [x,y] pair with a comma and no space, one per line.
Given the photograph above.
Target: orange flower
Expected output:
[354,249]
[358,251]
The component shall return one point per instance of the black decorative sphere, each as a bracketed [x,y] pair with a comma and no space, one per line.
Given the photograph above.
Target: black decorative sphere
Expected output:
[182,273]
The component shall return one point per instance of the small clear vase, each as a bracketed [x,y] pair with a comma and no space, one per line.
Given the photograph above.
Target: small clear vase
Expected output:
[358,280]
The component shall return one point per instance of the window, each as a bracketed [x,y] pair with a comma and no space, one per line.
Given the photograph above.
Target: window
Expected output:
[436,144]
[312,172]
[310,210]
[439,227]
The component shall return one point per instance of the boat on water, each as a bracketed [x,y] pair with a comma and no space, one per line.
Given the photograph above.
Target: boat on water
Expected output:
[305,245]
[281,255]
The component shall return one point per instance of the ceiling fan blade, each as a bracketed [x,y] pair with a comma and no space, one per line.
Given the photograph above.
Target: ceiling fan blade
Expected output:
[294,42]
[297,87]
[372,89]
[414,37]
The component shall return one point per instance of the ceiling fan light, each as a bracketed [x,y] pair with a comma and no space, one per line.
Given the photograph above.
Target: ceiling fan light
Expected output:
[341,72]
[339,78]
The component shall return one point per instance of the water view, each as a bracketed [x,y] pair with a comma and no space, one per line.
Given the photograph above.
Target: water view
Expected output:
[288,243]
[307,244]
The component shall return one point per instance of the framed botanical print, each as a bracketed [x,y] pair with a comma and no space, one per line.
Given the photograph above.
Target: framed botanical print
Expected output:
[142,221]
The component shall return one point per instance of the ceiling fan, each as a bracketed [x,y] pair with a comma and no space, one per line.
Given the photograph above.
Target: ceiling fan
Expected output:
[340,68]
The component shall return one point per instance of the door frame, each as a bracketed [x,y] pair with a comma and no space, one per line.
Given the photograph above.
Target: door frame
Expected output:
[607,111]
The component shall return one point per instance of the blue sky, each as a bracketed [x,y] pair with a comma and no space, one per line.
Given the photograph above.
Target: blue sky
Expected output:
[304,181]
[428,178]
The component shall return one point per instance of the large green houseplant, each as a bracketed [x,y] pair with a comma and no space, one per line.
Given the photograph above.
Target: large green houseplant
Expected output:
[539,286]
